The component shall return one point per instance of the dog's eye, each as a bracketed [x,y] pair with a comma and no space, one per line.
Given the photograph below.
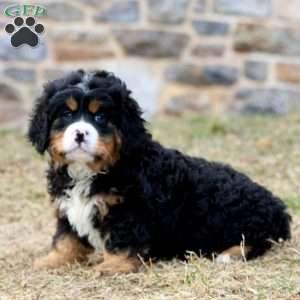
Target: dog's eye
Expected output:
[99,118]
[67,114]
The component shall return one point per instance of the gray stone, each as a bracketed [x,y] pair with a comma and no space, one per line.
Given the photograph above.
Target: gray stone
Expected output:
[256,70]
[208,50]
[140,79]
[288,72]
[202,75]
[63,12]
[253,8]
[200,6]
[93,2]
[21,75]
[167,11]
[285,41]
[151,43]
[211,27]
[23,53]
[272,101]
[190,102]
[119,11]
[75,52]
[8,93]
[97,37]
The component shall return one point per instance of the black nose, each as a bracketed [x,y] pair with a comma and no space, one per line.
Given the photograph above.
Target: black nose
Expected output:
[79,137]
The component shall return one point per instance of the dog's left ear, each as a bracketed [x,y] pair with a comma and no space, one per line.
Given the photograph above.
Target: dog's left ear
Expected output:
[131,124]
[38,133]
[39,127]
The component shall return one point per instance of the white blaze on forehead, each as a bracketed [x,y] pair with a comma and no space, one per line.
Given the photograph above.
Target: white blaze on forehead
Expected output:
[87,147]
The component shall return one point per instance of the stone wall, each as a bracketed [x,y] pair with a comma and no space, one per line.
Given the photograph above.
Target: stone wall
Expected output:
[210,56]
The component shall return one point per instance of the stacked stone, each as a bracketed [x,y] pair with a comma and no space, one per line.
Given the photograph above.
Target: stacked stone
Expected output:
[201,55]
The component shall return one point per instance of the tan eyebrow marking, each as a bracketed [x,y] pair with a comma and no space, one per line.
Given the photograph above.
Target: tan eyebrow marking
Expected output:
[72,104]
[94,106]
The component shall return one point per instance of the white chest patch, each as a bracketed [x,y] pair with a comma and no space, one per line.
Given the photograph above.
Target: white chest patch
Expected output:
[79,208]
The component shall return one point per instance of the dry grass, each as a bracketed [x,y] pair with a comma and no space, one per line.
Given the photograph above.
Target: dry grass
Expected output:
[266,149]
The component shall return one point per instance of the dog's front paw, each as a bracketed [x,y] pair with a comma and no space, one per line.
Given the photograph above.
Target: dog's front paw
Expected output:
[42,263]
[117,265]
[107,269]
[50,261]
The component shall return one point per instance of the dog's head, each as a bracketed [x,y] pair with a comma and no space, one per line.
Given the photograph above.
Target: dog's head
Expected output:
[87,117]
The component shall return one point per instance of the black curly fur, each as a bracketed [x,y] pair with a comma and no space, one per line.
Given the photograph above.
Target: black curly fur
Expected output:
[172,202]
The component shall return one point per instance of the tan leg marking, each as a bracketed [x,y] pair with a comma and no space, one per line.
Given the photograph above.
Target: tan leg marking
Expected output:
[66,251]
[232,253]
[117,264]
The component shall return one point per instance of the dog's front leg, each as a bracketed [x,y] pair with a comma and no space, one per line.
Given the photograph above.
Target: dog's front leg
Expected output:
[118,262]
[67,248]
[127,239]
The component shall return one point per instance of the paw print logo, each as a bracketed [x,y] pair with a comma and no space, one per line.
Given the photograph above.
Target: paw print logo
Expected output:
[24,33]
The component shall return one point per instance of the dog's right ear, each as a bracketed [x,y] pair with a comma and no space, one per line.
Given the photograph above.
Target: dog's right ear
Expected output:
[38,133]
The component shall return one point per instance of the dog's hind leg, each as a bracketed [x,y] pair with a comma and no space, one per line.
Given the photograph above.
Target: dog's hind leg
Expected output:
[232,254]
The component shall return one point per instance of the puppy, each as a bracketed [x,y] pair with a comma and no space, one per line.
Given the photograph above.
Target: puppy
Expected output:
[118,191]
